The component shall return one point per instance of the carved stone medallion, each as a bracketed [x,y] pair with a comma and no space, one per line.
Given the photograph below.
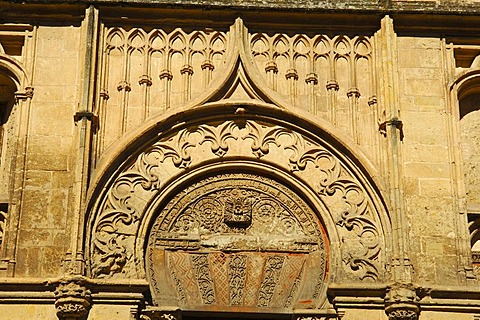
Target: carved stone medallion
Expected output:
[236,240]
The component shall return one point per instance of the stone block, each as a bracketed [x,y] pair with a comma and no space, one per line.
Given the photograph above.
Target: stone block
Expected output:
[435,187]
[427,170]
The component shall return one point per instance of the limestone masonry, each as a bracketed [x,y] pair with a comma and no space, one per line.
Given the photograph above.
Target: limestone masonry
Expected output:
[193,159]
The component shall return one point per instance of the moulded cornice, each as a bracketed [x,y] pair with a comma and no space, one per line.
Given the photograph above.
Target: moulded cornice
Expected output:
[441,7]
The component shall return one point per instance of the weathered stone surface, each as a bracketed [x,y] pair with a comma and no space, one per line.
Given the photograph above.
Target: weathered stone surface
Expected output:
[168,160]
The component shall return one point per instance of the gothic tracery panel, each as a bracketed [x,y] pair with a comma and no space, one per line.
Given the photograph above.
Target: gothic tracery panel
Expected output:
[145,73]
[332,77]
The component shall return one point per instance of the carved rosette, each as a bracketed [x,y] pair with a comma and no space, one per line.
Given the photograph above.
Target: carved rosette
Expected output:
[72,298]
[121,210]
[402,302]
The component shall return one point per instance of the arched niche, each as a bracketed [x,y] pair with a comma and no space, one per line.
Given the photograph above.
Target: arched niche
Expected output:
[135,197]
[237,236]
[466,89]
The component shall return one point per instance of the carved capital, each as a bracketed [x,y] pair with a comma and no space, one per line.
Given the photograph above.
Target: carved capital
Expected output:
[166,74]
[332,85]
[271,66]
[187,69]
[104,94]
[124,85]
[72,298]
[311,78]
[353,92]
[207,64]
[145,79]
[24,95]
[291,74]
[402,301]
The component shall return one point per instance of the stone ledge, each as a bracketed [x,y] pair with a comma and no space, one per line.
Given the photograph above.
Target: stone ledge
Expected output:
[439,6]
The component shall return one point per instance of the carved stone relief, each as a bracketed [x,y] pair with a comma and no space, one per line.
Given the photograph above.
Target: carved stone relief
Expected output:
[347,203]
[148,72]
[332,77]
[72,298]
[145,72]
[212,259]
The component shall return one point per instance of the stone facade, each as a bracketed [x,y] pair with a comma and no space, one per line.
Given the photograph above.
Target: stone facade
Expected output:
[239,159]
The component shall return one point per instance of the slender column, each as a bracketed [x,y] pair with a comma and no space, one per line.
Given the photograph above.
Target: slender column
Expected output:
[187,72]
[353,95]
[19,163]
[272,70]
[312,81]
[145,82]
[125,88]
[166,77]
[332,89]
[207,67]
[402,297]
[84,117]
[292,78]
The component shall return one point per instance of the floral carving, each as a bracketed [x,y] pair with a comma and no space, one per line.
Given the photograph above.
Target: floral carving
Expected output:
[202,273]
[355,216]
[273,267]
[217,136]
[238,269]
[344,197]
[402,315]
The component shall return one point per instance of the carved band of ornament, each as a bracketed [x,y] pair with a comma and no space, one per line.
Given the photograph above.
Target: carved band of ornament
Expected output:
[332,85]
[174,242]
[402,315]
[205,282]
[145,79]
[166,74]
[353,92]
[124,86]
[237,279]
[476,257]
[273,267]
[186,69]
[271,66]
[207,64]
[311,78]
[291,74]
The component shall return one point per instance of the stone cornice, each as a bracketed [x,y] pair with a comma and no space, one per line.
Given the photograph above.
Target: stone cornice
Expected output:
[385,7]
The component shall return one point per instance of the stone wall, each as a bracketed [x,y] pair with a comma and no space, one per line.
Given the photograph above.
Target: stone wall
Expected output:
[129,119]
